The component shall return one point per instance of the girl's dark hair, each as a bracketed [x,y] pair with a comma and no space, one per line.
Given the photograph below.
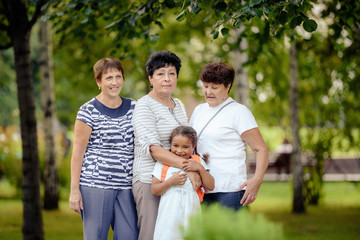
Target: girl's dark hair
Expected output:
[218,73]
[189,132]
[162,59]
[185,131]
[103,65]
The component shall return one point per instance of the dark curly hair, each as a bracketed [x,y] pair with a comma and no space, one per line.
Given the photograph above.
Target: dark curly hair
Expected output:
[162,59]
[189,132]
[185,131]
[218,73]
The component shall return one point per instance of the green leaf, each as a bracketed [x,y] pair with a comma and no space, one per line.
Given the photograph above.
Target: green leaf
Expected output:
[88,11]
[215,34]
[295,22]
[283,18]
[256,12]
[225,32]
[181,16]
[274,28]
[220,7]
[246,10]
[303,15]
[159,24]
[169,3]
[194,8]
[208,15]
[237,14]
[310,25]
[255,2]
[85,20]
[112,24]
[185,5]
[350,21]
[267,9]
[296,2]
[132,20]
[146,20]
[154,38]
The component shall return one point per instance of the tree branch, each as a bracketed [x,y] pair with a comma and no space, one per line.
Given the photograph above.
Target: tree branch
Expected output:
[39,12]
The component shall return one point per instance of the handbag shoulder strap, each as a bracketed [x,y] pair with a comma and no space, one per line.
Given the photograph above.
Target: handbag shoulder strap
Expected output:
[213,118]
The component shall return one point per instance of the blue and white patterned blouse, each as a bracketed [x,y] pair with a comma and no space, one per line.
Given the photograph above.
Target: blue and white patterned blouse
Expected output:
[108,160]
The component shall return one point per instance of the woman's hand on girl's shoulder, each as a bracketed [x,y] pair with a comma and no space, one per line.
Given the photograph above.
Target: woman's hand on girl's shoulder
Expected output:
[190,165]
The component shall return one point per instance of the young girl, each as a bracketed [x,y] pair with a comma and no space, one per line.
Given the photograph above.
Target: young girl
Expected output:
[178,199]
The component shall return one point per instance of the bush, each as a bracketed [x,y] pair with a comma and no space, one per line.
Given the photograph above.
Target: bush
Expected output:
[217,223]
[11,157]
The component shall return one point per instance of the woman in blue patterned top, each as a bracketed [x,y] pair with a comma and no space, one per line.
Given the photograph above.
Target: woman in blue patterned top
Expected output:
[102,159]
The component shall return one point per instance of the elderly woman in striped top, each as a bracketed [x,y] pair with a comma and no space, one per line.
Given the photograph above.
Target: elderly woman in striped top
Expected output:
[102,158]
[155,116]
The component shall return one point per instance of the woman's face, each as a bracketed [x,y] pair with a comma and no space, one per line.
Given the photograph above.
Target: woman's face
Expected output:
[182,146]
[111,83]
[215,93]
[164,80]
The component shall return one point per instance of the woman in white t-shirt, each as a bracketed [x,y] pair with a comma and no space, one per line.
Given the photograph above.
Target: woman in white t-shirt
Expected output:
[225,128]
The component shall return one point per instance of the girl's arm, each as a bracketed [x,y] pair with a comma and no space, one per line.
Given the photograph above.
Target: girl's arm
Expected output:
[206,178]
[158,187]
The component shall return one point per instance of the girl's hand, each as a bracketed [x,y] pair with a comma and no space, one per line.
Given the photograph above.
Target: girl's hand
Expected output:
[178,178]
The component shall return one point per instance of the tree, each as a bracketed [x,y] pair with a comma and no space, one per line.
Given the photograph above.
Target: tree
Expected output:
[15,26]
[241,76]
[51,194]
[298,198]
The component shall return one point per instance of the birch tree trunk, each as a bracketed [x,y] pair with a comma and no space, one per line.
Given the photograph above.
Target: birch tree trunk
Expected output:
[241,78]
[51,194]
[298,197]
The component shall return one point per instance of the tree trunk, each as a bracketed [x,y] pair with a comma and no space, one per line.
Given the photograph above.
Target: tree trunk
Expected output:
[51,194]
[32,218]
[298,197]
[241,78]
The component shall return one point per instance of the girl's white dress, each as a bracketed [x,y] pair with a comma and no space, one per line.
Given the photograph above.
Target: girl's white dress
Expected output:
[177,204]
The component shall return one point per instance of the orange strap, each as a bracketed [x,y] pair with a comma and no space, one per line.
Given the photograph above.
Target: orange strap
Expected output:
[199,191]
[165,168]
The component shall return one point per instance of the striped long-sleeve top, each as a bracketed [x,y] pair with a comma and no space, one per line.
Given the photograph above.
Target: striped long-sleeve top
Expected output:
[153,123]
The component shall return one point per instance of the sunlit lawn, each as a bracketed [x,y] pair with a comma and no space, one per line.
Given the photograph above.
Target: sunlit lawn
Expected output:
[337,216]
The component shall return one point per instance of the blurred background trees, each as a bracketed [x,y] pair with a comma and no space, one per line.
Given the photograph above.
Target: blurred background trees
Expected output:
[327,54]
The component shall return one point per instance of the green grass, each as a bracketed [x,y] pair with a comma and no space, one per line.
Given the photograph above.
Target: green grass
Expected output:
[337,216]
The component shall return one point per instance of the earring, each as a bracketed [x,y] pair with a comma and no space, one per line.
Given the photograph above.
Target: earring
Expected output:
[151,86]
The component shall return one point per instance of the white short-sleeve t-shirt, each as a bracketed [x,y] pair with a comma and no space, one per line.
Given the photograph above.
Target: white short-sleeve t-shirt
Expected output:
[221,139]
